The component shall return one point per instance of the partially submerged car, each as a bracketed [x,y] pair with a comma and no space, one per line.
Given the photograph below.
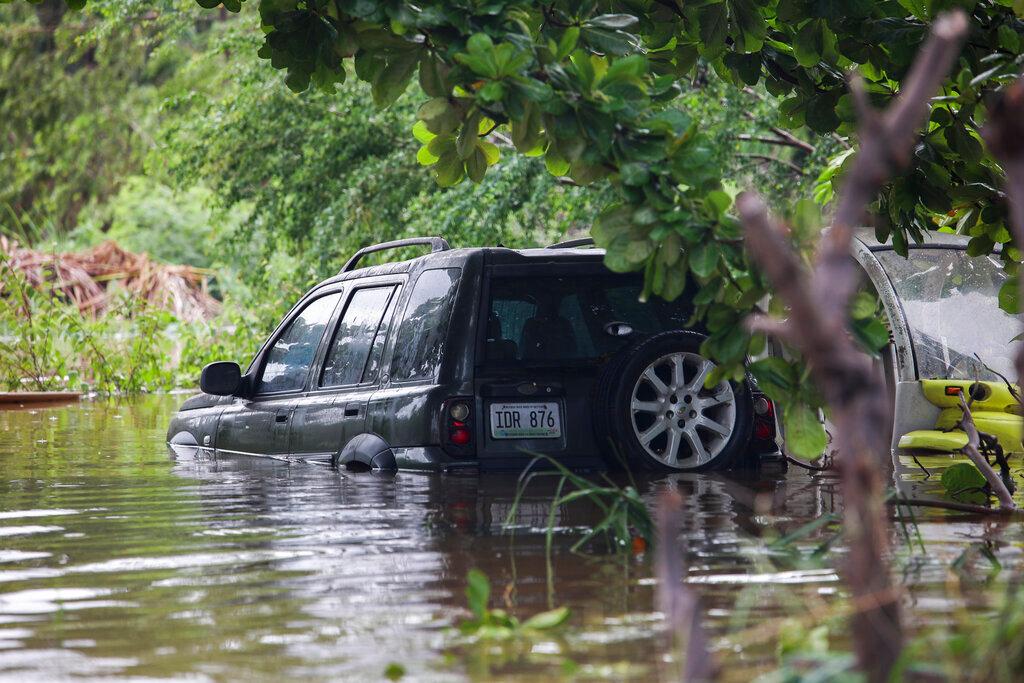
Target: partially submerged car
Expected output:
[948,336]
[478,358]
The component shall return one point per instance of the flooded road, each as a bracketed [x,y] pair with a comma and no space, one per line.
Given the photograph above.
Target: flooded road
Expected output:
[119,560]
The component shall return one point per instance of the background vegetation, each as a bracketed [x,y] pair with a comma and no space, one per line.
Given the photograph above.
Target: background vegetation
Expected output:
[157,126]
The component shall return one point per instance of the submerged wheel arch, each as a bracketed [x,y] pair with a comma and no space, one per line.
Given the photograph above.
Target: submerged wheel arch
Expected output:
[365,451]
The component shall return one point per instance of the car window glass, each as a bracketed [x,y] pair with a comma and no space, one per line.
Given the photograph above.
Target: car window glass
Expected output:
[558,318]
[951,303]
[373,364]
[418,346]
[354,336]
[290,357]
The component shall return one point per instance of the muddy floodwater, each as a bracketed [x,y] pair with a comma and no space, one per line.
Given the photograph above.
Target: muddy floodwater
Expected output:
[120,559]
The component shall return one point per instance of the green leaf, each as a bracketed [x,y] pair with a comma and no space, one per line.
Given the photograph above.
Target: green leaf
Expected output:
[439,115]
[478,592]
[556,164]
[490,151]
[612,21]
[805,434]
[719,201]
[476,165]
[821,113]
[809,43]
[714,27]
[1009,294]
[750,24]
[393,78]
[871,333]
[704,258]
[567,43]
[526,129]
[634,173]
[432,77]
[962,481]
[863,306]
[1009,39]
[449,169]
[547,620]
[425,157]
[776,378]
[612,42]
[919,8]
[465,143]
[422,133]
[980,245]
[493,91]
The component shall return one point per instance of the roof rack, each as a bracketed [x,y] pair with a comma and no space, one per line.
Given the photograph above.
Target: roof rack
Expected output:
[569,244]
[436,244]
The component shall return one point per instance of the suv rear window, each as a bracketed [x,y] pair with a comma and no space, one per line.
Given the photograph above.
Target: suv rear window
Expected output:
[562,318]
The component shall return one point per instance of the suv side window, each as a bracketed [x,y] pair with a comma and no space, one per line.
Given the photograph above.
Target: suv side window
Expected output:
[418,346]
[288,360]
[355,336]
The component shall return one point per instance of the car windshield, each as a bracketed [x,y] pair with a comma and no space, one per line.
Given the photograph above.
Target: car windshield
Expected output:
[559,318]
[951,302]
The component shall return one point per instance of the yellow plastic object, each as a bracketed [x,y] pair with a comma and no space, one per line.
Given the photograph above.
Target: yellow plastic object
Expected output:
[993,396]
[933,440]
[994,409]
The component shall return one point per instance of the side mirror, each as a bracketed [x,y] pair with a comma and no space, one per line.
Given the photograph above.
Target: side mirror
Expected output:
[221,378]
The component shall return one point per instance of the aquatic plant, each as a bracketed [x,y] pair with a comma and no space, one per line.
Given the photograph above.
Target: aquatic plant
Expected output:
[497,624]
[625,516]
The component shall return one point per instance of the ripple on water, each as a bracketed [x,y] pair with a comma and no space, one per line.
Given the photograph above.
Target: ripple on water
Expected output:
[143,565]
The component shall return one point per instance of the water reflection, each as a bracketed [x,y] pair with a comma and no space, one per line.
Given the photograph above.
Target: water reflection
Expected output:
[119,560]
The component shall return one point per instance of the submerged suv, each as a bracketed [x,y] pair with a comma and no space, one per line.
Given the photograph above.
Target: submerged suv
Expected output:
[478,358]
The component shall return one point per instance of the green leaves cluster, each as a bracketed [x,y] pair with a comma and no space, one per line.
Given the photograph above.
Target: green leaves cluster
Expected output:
[789,386]
[497,624]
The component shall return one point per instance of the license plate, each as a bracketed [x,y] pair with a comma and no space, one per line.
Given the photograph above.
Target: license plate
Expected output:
[525,421]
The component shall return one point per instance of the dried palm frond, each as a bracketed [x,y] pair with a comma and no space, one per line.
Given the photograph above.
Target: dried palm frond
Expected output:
[85,278]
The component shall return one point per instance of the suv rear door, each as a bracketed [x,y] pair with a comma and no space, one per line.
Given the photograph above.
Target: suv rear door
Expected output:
[550,330]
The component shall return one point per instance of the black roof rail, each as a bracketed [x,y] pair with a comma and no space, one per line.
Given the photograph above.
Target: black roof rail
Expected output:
[436,244]
[569,244]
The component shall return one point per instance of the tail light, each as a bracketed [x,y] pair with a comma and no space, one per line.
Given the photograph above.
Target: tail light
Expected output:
[764,419]
[457,426]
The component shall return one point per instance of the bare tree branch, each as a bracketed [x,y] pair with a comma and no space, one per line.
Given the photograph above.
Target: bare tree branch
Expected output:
[971,450]
[787,141]
[767,157]
[852,386]
[1004,135]
[676,600]
[886,142]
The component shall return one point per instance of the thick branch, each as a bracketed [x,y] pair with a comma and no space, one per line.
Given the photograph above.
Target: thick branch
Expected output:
[788,141]
[818,303]
[1004,135]
[886,144]
[767,157]
[676,600]
[971,450]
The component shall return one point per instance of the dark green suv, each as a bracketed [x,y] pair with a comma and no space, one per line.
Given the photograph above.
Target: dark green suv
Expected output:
[476,358]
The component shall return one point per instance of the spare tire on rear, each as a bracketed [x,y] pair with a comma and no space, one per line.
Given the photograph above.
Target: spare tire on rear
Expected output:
[651,406]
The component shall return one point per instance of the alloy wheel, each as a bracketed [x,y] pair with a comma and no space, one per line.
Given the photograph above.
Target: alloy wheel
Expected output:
[677,421]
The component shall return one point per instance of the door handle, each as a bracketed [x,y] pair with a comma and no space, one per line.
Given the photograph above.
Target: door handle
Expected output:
[283,417]
[352,411]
